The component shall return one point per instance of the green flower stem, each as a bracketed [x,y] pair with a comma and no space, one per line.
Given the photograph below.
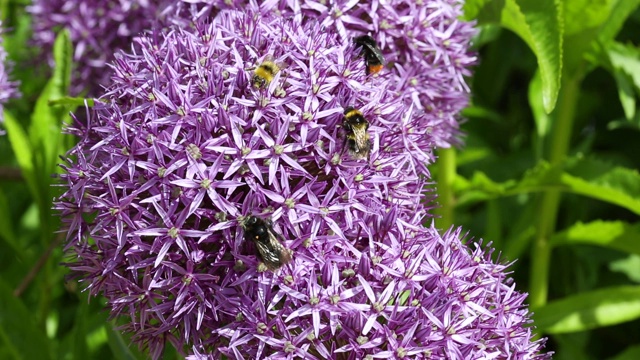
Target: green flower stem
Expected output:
[548,206]
[445,178]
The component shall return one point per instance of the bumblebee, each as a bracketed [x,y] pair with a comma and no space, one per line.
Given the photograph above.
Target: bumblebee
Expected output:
[268,242]
[263,75]
[373,57]
[356,137]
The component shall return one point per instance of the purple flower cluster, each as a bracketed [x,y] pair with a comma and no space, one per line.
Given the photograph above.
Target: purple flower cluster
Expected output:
[426,45]
[98,29]
[8,89]
[424,41]
[183,148]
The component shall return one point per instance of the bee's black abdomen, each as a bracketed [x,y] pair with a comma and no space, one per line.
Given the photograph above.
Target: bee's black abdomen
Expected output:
[373,57]
[272,253]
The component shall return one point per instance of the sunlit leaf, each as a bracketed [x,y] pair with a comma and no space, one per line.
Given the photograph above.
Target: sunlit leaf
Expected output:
[539,24]
[618,14]
[542,119]
[590,310]
[602,181]
[612,234]
[630,266]
[625,65]
[586,177]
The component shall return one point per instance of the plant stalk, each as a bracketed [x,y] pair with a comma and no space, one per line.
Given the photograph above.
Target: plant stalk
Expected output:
[445,178]
[548,206]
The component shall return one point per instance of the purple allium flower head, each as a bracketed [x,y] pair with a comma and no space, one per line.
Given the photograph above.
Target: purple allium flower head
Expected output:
[8,89]
[98,29]
[183,148]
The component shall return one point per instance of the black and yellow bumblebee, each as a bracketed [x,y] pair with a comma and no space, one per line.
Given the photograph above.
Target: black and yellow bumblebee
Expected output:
[374,60]
[264,74]
[356,136]
[268,242]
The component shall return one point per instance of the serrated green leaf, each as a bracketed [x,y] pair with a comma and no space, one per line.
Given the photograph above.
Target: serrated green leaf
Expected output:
[613,187]
[17,330]
[539,24]
[481,188]
[598,180]
[612,234]
[586,177]
[590,310]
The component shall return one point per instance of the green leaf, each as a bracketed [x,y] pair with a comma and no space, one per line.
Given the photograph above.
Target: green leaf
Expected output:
[626,94]
[542,119]
[588,25]
[612,234]
[72,102]
[582,15]
[21,149]
[472,8]
[620,11]
[583,19]
[629,266]
[588,177]
[63,57]
[6,226]
[630,353]
[47,121]
[539,24]
[602,181]
[481,188]
[17,330]
[80,348]
[590,310]
[625,66]
[120,346]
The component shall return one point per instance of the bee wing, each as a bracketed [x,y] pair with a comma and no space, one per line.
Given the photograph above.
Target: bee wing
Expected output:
[267,57]
[362,138]
[285,256]
[375,53]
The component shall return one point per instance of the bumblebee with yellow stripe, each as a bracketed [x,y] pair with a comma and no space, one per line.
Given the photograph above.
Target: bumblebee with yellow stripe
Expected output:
[373,57]
[264,74]
[268,242]
[356,136]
